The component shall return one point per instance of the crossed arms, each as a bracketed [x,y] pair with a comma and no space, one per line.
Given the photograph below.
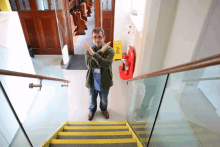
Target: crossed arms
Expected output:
[93,59]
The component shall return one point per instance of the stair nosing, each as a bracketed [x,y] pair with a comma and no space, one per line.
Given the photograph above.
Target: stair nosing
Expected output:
[92,141]
[107,122]
[95,127]
[94,133]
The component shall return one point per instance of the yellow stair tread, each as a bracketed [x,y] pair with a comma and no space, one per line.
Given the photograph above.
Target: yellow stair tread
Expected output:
[96,127]
[92,141]
[94,133]
[105,122]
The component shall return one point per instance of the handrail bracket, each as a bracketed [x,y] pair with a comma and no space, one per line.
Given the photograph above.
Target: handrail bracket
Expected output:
[31,85]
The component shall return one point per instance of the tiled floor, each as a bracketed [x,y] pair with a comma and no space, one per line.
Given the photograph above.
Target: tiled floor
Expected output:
[79,96]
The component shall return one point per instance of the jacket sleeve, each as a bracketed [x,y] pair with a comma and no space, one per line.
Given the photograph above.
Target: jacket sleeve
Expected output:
[104,62]
[90,62]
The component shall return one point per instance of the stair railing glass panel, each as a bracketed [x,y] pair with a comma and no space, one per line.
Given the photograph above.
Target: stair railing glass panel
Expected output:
[142,103]
[190,110]
[9,126]
[41,112]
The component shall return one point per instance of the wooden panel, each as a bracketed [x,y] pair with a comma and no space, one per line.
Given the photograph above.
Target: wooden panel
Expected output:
[69,29]
[51,14]
[56,51]
[107,25]
[32,33]
[50,33]
[23,14]
[40,28]
[24,28]
[97,14]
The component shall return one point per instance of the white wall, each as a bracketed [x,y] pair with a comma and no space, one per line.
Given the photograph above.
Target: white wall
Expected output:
[122,10]
[14,56]
[138,5]
[150,22]
[210,44]
[159,16]
[189,21]
[172,32]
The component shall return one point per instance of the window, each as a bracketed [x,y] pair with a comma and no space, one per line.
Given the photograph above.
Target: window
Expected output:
[106,5]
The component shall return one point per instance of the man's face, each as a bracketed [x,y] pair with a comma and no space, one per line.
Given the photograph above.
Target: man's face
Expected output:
[98,39]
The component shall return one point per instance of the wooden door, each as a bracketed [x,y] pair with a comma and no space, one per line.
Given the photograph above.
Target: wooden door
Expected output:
[47,23]
[39,23]
[108,13]
[29,22]
[104,18]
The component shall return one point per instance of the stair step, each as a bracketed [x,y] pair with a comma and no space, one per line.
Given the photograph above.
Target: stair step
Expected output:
[105,122]
[96,145]
[92,141]
[94,135]
[96,124]
[94,128]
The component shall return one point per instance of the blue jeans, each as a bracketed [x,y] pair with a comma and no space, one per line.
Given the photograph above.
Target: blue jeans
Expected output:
[93,94]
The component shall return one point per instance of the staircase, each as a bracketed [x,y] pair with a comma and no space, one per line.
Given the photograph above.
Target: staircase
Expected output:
[94,134]
[120,134]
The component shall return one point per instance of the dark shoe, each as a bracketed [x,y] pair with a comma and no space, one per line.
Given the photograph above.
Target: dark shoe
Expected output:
[90,116]
[106,114]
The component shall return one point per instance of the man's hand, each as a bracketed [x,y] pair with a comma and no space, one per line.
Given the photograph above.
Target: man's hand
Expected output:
[105,46]
[89,49]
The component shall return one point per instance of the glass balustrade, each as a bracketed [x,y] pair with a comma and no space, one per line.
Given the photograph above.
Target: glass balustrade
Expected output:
[142,102]
[189,111]
[40,111]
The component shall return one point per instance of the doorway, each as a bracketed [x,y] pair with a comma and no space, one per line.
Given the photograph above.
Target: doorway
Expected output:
[39,24]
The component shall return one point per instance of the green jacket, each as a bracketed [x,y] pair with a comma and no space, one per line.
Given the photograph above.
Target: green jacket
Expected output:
[104,60]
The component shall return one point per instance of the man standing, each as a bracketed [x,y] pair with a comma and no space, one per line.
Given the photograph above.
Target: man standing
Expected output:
[99,76]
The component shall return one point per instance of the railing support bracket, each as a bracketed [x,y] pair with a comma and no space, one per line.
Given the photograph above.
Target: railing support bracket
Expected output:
[31,85]
[65,85]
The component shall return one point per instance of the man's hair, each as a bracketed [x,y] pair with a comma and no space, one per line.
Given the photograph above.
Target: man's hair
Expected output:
[98,30]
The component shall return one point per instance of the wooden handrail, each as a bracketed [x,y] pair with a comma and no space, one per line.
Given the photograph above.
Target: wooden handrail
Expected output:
[205,62]
[20,74]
